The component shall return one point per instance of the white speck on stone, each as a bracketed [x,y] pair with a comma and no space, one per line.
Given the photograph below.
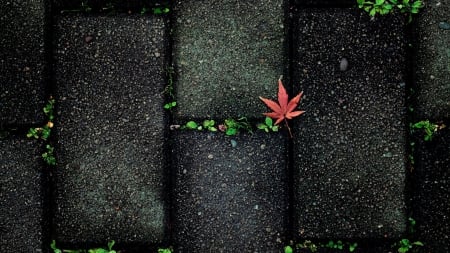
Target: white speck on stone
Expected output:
[210,156]
[343,65]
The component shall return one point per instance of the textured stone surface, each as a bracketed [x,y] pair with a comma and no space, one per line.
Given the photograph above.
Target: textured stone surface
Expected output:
[230,199]
[433,62]
[21,196]
[22,61]
[431,192]
[226,54]
[349,146]
[110,175]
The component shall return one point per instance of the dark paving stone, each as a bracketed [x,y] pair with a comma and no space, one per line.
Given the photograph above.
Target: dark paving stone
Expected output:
[349,145]
[226,54]
[433,62]
[230,199]
[431,192]
[110,177]
[21,196]
[22,62]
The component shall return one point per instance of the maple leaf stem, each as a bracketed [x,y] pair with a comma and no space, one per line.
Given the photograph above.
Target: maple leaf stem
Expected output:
[289,129]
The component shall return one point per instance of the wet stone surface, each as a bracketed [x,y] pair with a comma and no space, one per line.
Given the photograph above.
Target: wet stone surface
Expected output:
[227,54]
[349,146]
[432,66]
[431,192]
[230,199]
[21,196]
[22,62]
[111,169]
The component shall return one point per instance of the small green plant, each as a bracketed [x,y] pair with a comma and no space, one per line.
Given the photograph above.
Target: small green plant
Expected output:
[169,90]
[170,105]
[156,10]
[381,7]
[43,133]
[428,128]
[209,125]
[166,250]
[268,125]
[405,245]
[384,7]
[340,245]
[312,247]
[288,249]
[96,250]
[48,155]
[232,126]
[229,127]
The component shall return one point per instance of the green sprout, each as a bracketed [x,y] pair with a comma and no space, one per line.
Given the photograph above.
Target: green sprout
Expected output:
[43,133]
[384,7]
[405,245]
[428,128]
[232,126]
[268,125]
[96,250]
[170,105]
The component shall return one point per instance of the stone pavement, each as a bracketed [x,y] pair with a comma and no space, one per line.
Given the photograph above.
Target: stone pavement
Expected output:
[122,175]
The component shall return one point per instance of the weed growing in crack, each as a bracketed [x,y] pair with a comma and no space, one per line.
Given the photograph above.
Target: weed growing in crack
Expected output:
[428,128]
[405,245]
[44,132]
[383,7]
[268,125]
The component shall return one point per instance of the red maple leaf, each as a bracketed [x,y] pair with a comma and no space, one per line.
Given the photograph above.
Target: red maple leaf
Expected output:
[283,110]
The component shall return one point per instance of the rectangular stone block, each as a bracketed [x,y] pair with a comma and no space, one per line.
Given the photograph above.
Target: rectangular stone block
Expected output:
[22,197]
[431,194]
[110,130]
[230,192]
[432,65]
[349,147]
[226,54]
[22,62]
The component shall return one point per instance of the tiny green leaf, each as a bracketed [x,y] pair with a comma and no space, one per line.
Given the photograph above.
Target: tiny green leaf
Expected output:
[231,131]
[191,125]
[288,249]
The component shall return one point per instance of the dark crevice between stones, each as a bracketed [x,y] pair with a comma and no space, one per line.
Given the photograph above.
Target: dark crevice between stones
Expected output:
[289,21]
[169,169]
[48,178]
[410,89]
[324,3]
[107,6]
